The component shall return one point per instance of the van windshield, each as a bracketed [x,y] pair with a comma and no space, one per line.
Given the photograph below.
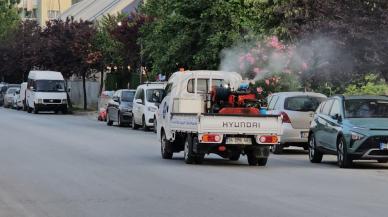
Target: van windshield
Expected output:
[49,86]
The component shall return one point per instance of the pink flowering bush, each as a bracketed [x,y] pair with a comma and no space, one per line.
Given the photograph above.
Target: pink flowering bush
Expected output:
[270,56]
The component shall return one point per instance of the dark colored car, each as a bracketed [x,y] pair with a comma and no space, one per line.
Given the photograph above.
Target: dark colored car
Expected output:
[120,108]
[351,127]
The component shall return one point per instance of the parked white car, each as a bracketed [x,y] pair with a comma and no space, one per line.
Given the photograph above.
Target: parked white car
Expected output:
[145,104]
[10,96]
[297,110]
[46,92]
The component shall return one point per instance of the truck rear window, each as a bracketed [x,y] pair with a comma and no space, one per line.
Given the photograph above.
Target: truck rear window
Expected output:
[302,103]
[202,85]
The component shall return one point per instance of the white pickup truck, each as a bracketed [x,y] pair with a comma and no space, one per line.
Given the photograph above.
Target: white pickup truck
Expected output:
[186,123]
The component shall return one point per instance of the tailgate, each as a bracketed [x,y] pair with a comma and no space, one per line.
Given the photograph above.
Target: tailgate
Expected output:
[234,124]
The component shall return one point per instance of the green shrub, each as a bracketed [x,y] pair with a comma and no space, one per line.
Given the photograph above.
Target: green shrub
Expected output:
[371,85]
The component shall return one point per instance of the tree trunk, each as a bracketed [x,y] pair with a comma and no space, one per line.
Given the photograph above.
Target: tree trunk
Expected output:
[69,103]
[101,80]
[84,88]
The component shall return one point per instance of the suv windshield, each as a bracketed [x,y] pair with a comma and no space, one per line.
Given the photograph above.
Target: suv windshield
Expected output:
[49,86]
[302,103]
[366,108]
[127,96]
[154,95]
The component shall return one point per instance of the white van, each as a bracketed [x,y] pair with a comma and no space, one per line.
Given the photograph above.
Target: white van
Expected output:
[46,92]
[145,104]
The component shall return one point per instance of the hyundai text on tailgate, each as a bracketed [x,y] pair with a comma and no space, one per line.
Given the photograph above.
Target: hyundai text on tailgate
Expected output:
[211,112]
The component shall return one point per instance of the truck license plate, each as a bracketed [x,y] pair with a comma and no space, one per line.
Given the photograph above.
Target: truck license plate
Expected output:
[304,135]
[383,146]
[238,141]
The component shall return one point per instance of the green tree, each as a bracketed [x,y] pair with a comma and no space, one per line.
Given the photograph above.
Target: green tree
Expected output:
[9,17]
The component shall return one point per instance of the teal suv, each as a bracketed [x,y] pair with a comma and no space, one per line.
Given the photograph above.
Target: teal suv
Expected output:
[351,127]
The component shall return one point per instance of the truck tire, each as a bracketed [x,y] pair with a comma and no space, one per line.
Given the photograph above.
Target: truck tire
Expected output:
[199,157]
[253,160]
[29,110]
[165,147]
[188,154]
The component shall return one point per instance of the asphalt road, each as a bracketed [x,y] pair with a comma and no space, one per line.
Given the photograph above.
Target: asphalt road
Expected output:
[72,166]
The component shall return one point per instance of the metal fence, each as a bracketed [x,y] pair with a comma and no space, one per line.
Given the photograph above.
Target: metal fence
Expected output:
[77,95]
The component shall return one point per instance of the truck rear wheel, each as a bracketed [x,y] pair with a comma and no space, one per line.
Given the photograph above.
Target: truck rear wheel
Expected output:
[254,160]
[188,154]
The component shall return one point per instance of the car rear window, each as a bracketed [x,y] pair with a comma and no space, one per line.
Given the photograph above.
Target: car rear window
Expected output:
[302,103]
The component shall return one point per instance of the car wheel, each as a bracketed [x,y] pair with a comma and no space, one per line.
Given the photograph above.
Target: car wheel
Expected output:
[382,161]
[199,157]
[277,149]
[64,111]
[134,125]
[315,155]
[108,121]
[144,125]
[188,153]
[165,147]
[343,159]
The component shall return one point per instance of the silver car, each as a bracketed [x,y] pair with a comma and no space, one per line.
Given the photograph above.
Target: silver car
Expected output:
[10,96]
[297,110]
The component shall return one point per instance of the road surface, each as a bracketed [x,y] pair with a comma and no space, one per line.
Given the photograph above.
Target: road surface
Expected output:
[72,166]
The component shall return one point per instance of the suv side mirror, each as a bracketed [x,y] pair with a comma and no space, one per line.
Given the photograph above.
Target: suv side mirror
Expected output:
[69,90]
[139,101]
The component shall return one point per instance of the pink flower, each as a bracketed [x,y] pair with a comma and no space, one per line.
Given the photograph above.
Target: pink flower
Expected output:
[256,70]
[267,82]
[275,43]
[260,90]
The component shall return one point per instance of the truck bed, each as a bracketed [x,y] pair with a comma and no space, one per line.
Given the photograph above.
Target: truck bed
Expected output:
[226,124]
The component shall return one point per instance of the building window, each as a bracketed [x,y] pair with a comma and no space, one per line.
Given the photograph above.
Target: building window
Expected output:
[53,14]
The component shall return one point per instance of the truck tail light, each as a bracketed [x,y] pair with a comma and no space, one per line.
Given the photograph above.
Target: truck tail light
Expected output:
[268,139]
[211,138]
[221,148]
[285,118]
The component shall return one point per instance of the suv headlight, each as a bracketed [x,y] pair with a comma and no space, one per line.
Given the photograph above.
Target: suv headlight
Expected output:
[40,101]
[356,136]
[151,109]
[64,101]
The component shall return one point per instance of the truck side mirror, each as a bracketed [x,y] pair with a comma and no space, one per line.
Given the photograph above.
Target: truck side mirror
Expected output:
[69,90]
